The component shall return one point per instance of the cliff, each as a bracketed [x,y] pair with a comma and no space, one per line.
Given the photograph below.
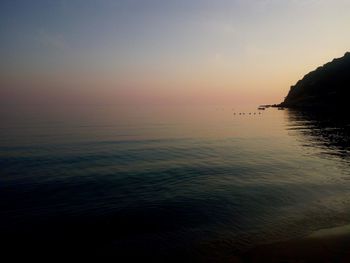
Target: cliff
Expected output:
[326,87]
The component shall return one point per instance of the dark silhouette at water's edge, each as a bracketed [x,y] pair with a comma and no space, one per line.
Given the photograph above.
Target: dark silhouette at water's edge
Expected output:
[327,87]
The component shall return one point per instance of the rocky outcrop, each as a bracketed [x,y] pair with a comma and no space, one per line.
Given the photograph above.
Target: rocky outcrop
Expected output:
[326,87]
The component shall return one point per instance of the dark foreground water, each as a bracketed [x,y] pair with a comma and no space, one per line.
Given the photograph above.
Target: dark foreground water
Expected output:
[168,184]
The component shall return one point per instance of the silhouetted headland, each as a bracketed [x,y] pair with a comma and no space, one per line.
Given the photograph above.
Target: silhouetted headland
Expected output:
[327,87]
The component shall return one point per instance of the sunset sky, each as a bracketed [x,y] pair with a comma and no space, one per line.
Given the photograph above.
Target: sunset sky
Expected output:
[156,51]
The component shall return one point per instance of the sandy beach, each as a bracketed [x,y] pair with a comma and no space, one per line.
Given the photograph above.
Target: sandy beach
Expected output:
[326,245]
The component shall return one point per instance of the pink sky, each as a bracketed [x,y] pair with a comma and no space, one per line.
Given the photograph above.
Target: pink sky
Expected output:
[161,52]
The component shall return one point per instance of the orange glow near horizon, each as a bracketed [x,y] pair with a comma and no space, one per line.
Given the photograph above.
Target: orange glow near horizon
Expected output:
[222,52]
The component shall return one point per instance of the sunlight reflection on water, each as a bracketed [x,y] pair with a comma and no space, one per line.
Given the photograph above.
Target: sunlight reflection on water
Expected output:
[119,180]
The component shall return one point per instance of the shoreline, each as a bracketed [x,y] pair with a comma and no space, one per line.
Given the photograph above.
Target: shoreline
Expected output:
[325,245]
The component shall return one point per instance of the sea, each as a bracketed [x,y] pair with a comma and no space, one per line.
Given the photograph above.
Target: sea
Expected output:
[167,183]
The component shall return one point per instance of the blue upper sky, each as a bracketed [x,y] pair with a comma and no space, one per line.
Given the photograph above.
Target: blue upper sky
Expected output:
[194,41]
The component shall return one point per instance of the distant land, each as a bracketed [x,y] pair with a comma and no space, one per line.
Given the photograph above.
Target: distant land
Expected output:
[327,87]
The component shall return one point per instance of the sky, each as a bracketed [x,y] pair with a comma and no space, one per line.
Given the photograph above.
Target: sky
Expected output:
[221,52]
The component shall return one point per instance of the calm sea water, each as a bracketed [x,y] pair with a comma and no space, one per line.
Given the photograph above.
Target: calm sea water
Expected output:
[168,183]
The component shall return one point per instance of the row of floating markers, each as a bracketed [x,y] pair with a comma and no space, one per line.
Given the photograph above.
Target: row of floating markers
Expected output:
[243,113]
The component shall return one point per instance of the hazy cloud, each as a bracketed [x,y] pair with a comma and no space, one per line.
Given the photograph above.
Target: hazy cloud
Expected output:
[52,41]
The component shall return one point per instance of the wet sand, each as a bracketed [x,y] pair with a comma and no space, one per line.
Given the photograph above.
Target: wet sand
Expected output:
[327,245]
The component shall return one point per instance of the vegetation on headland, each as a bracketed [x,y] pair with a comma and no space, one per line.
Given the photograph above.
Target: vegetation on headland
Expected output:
[326,87]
